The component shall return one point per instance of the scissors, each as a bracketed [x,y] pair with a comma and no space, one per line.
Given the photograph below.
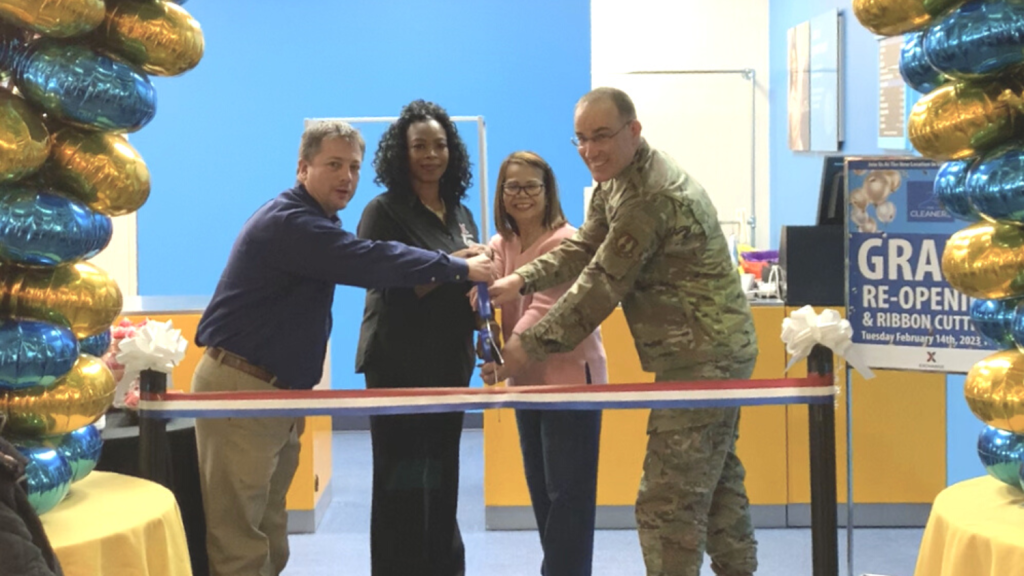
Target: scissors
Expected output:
[489,349]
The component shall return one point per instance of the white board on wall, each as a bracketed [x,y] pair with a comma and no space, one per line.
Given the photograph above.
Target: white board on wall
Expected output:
[120,260]
[704,121]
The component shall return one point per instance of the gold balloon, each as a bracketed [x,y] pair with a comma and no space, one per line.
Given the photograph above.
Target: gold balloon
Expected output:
[101,169]
[162,38]
[964,119]
[995,390]
[894,17]
[76,400]
[58,18]
[80,296]
[986,260]
[24,139]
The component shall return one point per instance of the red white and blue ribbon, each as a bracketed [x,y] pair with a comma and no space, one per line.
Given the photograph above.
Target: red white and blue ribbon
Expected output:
[698,394]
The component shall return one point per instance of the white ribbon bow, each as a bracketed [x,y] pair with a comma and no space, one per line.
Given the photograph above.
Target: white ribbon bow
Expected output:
[804,328]
[155,346]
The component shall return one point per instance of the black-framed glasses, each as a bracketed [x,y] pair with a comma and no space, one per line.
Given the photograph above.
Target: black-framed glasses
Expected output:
[529,189]
[599,138]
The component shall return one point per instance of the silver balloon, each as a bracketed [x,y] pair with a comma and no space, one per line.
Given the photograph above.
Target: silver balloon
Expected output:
[981,38]
[917,72]
[96,345]
[995,185]
[78,85]
[951,190]
[81,449]
[1002,454]
[40,228]
[48,476]
[994,320]
[34,353]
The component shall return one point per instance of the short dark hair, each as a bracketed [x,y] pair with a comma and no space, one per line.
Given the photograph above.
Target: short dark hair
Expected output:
[553,215]
[623,103]
[391,161]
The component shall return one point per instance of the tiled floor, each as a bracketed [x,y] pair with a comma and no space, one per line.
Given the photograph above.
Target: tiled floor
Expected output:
[341,544]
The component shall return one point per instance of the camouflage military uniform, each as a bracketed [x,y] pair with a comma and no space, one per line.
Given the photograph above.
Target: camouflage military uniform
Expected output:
[652,241]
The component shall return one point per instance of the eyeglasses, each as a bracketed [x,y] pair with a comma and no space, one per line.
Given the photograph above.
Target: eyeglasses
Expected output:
[530,189]
[597,139]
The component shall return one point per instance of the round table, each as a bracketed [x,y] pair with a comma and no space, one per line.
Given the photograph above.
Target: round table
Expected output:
[121,454]
[976,528]
[113,525]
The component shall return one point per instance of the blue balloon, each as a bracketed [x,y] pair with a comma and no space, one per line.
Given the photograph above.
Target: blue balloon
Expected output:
[981,38]
[34,353]
[48,475]
[78,85]
[96,345]
[1001,454]
[81,449]
[950,188]
[994,320]
[917,72]
[1017,329]
[995,185]
[40,228]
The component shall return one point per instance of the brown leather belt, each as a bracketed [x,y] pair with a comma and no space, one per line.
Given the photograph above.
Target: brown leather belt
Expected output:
[238,363]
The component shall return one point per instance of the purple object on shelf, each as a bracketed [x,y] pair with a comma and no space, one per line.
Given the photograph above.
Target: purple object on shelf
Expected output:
[761,256]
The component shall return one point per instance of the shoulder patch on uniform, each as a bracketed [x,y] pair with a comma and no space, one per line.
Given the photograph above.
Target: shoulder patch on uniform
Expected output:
[625,245]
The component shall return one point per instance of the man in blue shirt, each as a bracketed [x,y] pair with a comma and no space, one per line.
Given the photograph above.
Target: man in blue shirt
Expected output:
[266,329]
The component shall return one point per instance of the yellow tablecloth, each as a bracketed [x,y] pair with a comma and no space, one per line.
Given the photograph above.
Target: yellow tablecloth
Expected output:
[115,525]
[976,528]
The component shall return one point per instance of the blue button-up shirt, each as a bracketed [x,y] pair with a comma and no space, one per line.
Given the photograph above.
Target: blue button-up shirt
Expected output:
[272,305]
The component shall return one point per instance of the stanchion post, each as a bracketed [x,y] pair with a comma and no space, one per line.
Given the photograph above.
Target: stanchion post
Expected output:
[824,526]
[153,443]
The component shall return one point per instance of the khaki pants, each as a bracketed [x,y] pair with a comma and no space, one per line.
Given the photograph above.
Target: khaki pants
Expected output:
[692,496]
[246,466]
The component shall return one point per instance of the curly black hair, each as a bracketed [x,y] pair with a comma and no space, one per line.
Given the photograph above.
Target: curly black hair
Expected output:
[392,158]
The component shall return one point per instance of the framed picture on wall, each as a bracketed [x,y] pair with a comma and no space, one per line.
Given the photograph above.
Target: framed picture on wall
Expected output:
[798,106]
[825,80]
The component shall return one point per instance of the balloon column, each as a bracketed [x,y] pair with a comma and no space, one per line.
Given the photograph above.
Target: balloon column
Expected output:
[966,58]
[76,79]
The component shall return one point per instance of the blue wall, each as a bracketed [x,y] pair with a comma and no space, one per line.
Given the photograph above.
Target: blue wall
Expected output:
[962,430]
[226,135]
[795,176]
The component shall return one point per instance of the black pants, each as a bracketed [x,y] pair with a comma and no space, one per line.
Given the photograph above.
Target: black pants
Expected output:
[413,529]
[560,452]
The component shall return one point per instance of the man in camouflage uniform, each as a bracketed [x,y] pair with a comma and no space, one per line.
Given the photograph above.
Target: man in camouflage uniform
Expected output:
[652,241]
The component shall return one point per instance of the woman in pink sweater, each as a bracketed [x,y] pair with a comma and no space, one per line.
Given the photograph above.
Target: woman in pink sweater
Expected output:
[560,447]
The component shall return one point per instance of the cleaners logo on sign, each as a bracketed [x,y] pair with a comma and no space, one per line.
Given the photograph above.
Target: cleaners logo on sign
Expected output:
[923,205]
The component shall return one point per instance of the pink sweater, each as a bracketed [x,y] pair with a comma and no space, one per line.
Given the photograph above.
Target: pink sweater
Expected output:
[517,316]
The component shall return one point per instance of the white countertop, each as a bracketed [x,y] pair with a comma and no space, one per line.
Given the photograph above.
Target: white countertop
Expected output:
[137,305]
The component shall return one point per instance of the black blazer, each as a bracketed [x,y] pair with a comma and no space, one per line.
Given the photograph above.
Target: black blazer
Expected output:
[409,341]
